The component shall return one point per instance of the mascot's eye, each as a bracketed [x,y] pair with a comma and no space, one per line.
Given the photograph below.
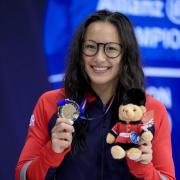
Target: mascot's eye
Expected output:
[134,110]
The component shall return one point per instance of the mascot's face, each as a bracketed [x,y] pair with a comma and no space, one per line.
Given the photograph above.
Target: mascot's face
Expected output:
[131,112]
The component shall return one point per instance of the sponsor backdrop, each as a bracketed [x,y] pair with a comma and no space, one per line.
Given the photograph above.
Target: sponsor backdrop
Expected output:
[157,28]
[35,36]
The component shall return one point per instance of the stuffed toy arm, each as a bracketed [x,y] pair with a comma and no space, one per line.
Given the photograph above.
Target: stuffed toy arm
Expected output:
[148,128]
[147,136]
[111,136]
[148,131]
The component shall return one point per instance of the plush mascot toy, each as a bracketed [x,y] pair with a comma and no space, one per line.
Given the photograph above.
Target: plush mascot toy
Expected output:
[134,123]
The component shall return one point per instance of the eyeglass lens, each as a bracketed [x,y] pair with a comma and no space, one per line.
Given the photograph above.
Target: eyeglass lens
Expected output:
[111,49]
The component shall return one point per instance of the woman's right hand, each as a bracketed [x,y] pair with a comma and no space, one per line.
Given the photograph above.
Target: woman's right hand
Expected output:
[61,134]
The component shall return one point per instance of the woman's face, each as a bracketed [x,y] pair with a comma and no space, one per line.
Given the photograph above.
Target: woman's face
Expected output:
[101,69]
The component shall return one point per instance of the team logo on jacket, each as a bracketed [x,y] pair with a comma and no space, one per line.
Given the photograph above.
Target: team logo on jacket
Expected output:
[32,120]
[134,137]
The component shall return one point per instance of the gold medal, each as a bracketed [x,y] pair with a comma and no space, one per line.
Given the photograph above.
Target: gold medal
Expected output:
[69,110]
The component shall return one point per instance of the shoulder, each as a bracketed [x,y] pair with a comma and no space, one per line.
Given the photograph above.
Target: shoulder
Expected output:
[47,104]
[48,100]
[159,111]
[53,95]
[154,104]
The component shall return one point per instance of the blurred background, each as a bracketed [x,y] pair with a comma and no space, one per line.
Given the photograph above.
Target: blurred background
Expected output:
[34,38]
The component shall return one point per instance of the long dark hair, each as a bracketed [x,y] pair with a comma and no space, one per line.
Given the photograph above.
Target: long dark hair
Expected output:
[130,75]
[76,81]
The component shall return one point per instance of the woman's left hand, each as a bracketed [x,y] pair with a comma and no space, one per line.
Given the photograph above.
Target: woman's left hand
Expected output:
[146,148]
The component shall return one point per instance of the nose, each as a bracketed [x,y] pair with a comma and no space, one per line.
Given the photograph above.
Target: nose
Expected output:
[125,110]
[100,56]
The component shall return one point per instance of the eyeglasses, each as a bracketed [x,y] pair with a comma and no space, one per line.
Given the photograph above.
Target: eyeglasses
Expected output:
[111,49]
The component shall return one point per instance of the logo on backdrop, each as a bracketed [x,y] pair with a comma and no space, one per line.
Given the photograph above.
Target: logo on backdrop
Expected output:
[173,11]
[150,36]
[149,8]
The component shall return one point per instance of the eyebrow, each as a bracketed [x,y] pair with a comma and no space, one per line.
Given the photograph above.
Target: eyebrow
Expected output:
[103,42]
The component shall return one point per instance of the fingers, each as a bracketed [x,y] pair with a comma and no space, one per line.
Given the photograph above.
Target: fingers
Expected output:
[142,141]
[63,125]
[60,145]
[146,149]
[145,159]
[64,120]
[64,136]
[61,134]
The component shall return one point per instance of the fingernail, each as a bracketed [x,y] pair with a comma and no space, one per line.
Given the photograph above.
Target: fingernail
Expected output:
[72,122]
[58,120]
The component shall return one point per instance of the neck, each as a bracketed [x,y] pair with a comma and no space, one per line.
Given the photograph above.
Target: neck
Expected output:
[104,92]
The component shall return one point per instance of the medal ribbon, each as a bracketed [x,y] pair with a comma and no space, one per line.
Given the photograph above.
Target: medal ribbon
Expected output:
[107,109]
[82,106]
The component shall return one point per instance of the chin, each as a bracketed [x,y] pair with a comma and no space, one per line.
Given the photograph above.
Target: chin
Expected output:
[101,82]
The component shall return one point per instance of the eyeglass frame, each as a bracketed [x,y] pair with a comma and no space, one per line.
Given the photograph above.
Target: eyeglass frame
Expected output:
[104,48]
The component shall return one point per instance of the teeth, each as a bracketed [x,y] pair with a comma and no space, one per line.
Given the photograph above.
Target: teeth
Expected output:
[100,68]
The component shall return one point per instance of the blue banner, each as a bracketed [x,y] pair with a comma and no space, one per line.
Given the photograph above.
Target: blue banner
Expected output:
[157,28]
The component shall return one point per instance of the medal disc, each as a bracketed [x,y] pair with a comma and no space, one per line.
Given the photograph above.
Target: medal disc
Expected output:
[70,110]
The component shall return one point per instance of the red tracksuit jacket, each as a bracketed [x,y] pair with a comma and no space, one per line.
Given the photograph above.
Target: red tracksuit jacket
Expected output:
[38,144]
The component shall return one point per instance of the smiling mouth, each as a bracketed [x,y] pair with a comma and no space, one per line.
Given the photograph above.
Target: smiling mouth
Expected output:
[100,69]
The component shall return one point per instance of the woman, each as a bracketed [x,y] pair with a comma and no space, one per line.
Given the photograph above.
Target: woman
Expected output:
[103,63]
